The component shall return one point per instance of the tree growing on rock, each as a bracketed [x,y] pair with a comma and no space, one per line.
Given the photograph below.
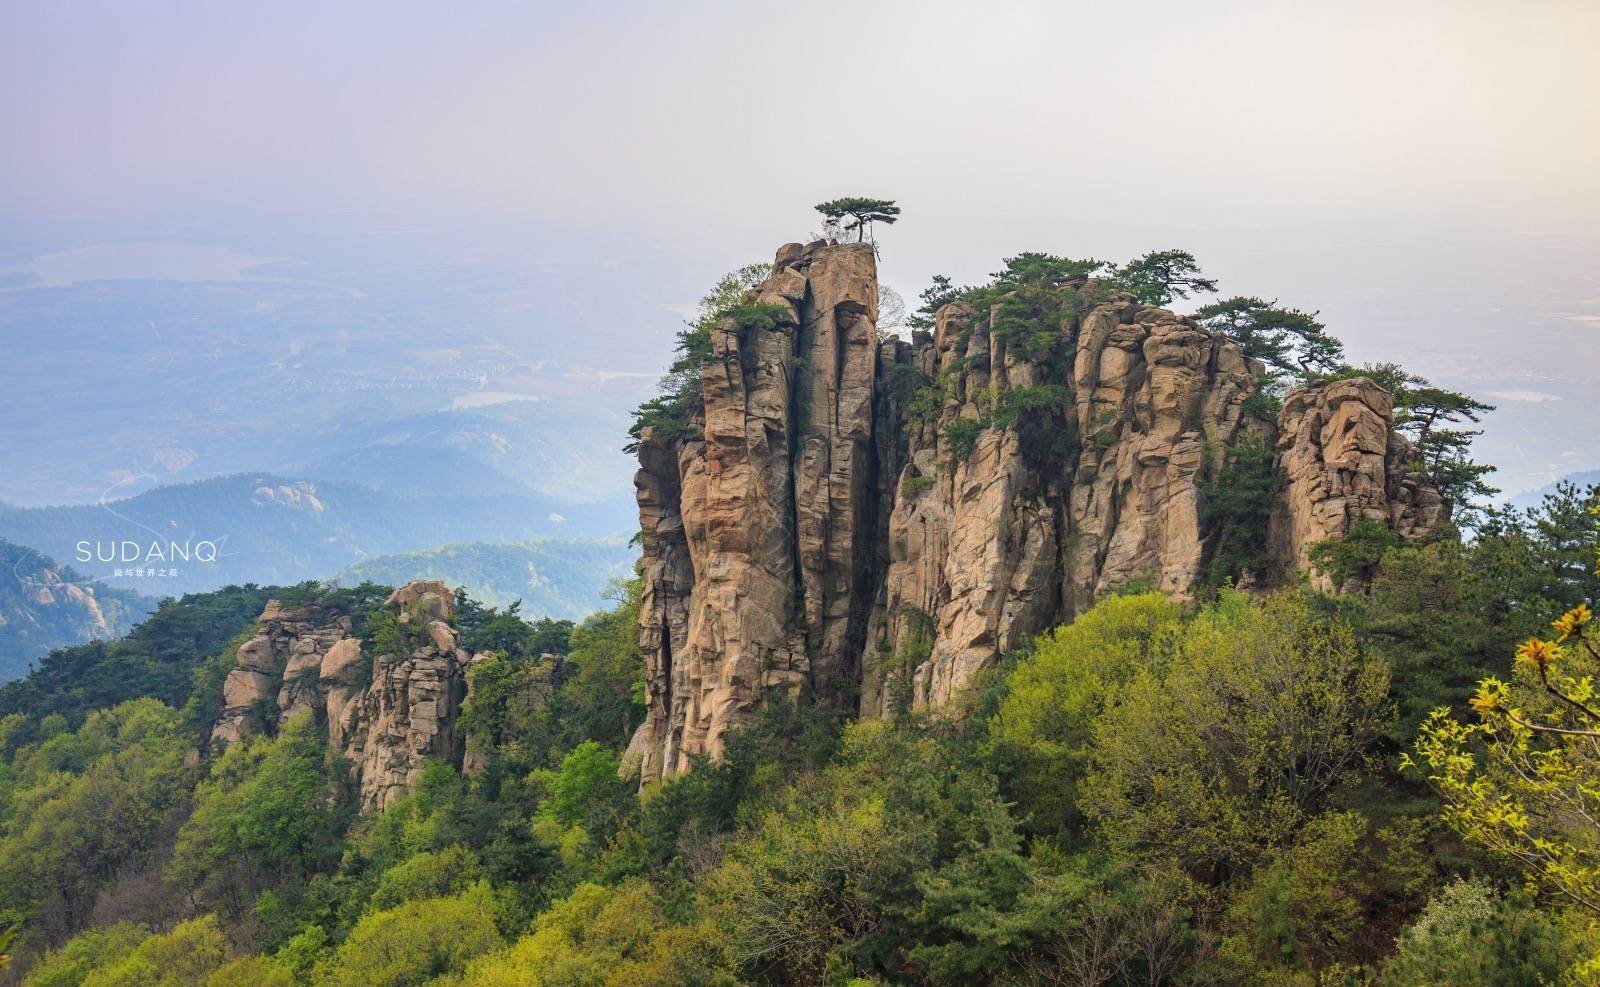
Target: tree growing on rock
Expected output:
[862,213]
[1290,342]
[1162,275]
[1424,414]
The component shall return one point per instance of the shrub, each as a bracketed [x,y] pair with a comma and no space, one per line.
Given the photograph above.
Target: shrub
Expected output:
[430,874]
[1219,754]
[1054,695]
[961,437]
[1356,556]
[416,942]
[1471,935]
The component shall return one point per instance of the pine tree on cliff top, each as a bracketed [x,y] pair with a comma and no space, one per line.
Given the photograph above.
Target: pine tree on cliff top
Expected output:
[863,212]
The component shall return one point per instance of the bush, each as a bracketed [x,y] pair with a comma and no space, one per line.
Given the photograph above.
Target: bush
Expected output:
[1356,556]
[1218,755]
[416,942]
[1054,695]
[609,937]
[429,874]
[1471,935]
[84,953]
[186,956]
[961,437]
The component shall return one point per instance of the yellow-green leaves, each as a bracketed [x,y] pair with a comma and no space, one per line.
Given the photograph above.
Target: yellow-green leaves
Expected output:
[1261,710]
[1523,779]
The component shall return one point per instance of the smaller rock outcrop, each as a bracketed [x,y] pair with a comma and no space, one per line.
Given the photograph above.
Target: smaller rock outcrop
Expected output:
[1345,464]
[277,671]
[388,714]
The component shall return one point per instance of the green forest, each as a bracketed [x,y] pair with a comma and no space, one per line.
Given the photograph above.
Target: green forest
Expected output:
[1294,789]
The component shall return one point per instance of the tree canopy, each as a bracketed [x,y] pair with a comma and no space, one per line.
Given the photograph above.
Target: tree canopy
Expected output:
[862,213]
[1162,275]
[1288,341]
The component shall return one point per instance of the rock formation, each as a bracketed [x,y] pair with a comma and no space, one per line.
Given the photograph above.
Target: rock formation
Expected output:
[865,521]
[1345,464]
[758,536]
[387,714]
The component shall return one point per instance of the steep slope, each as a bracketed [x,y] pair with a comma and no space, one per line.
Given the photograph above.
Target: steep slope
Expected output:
[45,605]
[865,521]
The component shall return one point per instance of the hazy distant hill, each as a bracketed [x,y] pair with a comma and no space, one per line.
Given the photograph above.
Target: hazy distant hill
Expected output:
[551,578]
[514,446]
[315,361]
[45,605]
[1531,498]
[276,530]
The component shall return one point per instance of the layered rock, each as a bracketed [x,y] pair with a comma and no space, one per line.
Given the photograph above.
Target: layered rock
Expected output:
[387,714]
[276,671]
[757,534]
[1345,464]
[867,522]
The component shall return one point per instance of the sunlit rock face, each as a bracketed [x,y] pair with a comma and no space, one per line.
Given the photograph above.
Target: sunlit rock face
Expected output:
[387,714]
[866,521]
[1345,464]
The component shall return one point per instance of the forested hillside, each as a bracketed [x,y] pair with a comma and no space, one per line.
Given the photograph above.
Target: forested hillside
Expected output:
[45,605]
[1072,641]
[1153,794]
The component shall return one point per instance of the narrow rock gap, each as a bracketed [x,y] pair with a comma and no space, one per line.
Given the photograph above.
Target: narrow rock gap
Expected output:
[801,381]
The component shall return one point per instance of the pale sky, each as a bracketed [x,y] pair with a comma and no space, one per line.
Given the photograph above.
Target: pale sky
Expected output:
[1427,174]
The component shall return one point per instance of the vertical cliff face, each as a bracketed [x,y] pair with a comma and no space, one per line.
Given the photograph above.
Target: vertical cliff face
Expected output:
[872,521]
[1345,464]
[756,537]
[387,714]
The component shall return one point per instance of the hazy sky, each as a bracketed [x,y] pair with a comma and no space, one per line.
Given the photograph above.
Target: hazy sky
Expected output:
[1426,174]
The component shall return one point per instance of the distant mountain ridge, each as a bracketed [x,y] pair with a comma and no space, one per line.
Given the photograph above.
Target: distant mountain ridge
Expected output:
[270,529]
[563,580]
[1531,498]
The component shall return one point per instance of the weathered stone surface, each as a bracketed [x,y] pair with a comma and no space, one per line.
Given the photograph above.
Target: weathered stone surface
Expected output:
[1158,402]
[406,718]
[1344,464]
[829,538]
[387,714]
[278,666]
[755,534]
[429,597]
[341,678]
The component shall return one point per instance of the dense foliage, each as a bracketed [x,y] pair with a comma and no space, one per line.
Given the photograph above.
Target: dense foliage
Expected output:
[158,658]
[1154,794]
